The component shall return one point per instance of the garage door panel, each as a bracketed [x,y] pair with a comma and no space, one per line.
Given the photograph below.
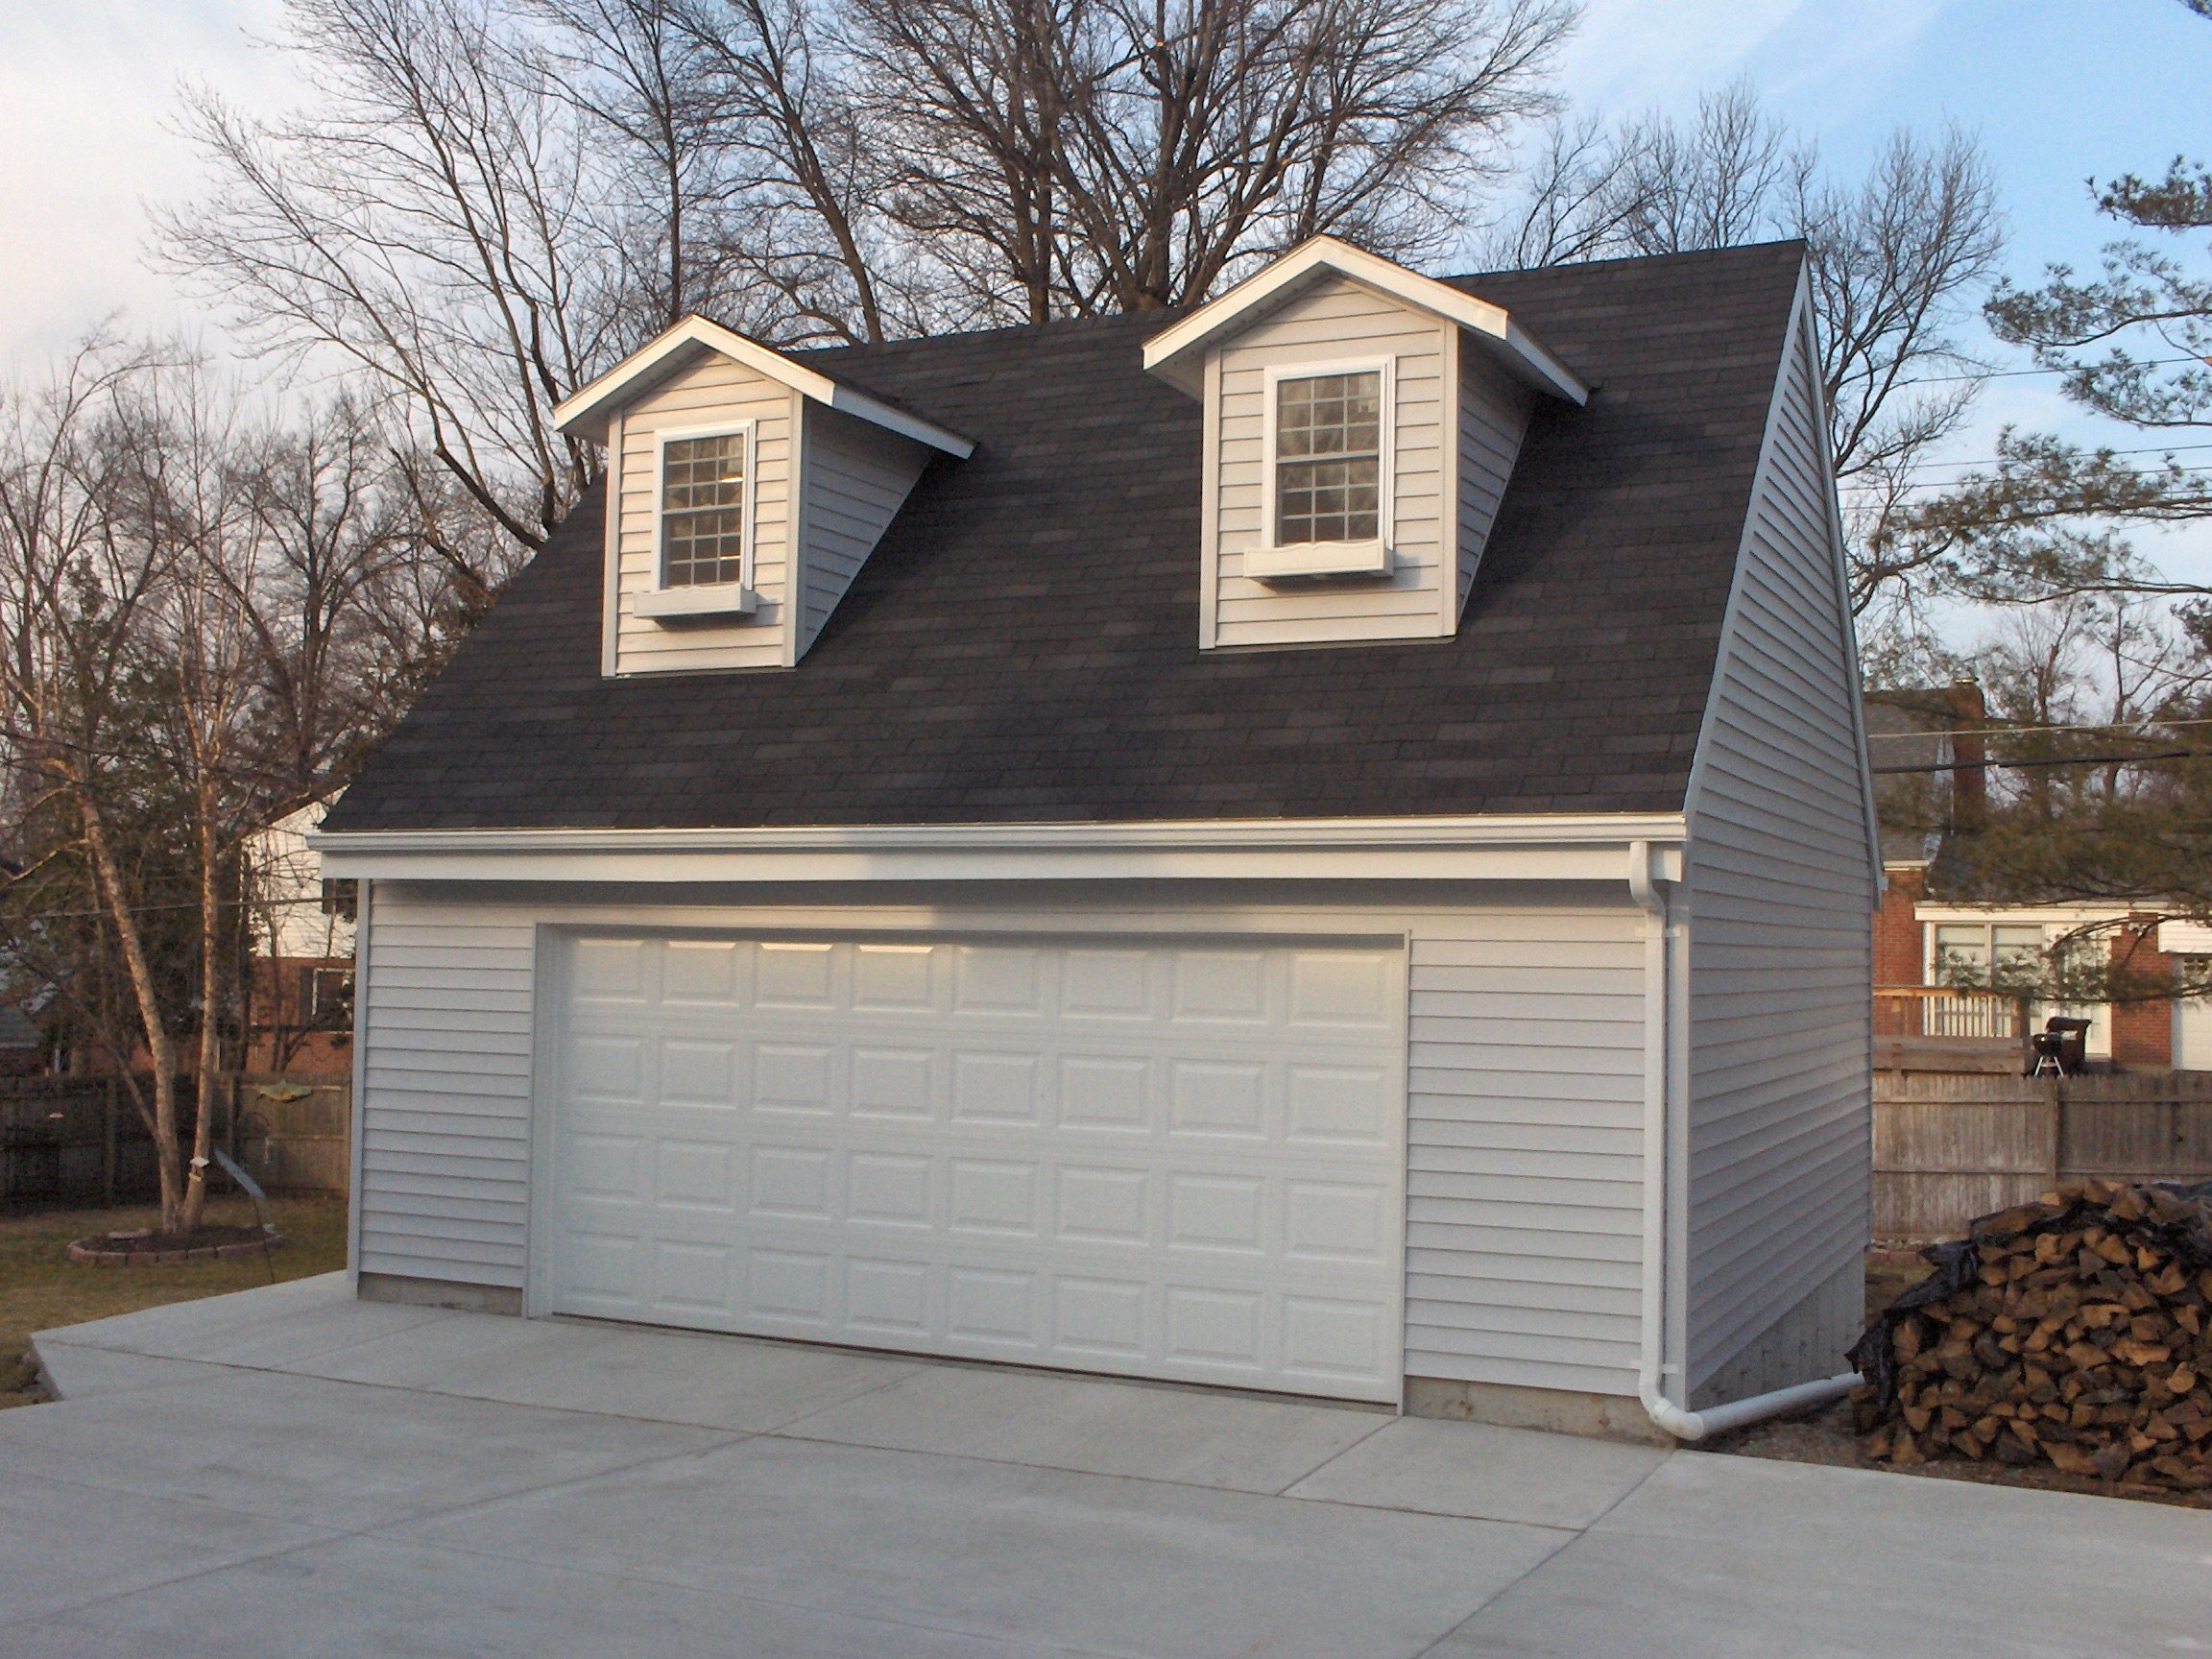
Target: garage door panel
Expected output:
[995,1089]
[701,971]
[796,976]
[1175,1160]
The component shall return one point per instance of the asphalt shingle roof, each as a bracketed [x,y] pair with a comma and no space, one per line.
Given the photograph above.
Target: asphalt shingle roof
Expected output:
[1022,645]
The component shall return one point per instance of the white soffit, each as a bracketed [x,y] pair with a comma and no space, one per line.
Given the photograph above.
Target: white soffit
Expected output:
[1178,355]
[588,411]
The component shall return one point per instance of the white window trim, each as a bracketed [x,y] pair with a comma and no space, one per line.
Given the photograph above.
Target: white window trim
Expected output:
[1270,559]
[700,599]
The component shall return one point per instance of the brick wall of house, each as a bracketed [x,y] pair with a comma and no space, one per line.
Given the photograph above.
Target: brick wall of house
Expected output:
[1897,951]
[2142,1032]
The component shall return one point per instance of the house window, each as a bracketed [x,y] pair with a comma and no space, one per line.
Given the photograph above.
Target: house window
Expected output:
[341,898]
[331,997]
[1980,953]
[703,509]
[1329,458]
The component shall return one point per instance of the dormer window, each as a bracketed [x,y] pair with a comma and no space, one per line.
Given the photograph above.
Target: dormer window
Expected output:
[1362,422]
[745,489]
[702,509]
[1328,450]
[1329,458]
[704,512]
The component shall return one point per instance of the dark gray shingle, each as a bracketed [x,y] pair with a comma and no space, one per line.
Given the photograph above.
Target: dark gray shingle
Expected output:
[1023,646]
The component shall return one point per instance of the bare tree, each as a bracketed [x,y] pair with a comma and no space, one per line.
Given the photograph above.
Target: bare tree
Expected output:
[430,224]
[79,593]
[205,619]
[803,175]
[634,68]
[1078,155]
[1717,183]
[193,519]
[970,97]
[1898,261]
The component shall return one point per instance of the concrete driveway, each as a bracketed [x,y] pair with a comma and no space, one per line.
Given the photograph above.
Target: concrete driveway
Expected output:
[291,1472]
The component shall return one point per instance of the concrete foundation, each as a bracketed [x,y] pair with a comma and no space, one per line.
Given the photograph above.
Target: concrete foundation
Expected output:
[1558,1410]
[439,1293]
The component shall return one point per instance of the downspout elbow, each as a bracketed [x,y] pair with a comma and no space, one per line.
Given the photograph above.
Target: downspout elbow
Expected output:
[1696,1426]
[1641,887]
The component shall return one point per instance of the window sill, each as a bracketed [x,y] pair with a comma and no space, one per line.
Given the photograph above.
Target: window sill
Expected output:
[719,599]
[1318,559]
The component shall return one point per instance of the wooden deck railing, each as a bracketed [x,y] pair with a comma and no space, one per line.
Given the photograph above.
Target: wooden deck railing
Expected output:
[1941,1011]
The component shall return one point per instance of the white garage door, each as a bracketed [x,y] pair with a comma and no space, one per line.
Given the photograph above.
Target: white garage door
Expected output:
[1164,1160]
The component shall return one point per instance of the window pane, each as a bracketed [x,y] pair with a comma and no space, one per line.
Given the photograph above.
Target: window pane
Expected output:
[702,510]
[1963,955]
[2019,951]
[1327,454]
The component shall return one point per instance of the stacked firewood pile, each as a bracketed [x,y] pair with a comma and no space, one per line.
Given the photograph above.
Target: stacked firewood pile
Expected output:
[2076,1330]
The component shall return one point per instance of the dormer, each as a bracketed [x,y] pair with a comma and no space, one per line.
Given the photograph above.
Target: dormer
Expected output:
[1361,421]
[745,492]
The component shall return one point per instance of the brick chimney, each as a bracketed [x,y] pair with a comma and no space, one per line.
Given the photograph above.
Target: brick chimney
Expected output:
[1969,758]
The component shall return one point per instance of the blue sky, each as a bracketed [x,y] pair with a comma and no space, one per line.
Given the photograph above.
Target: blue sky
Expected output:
[2055,91]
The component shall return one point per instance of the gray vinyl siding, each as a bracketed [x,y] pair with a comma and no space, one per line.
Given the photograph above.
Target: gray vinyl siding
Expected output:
[1493,419]
[444,1137]
[1781,891]
[1524,1075]
[708,393]
[1336,321]
[855,480]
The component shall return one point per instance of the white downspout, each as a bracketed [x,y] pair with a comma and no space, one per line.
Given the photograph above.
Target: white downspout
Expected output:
[1654,1370]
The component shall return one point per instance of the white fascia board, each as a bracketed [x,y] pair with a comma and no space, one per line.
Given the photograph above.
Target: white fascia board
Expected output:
[2050,914]
[1533,848]
[586,411]
[1178,353]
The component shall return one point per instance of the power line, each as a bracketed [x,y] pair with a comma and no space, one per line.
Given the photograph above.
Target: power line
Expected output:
[2013,373]
[2061,760]
[2021,731]
[1998,460]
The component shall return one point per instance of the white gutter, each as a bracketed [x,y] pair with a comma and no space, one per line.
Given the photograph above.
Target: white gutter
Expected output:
[1654,1370]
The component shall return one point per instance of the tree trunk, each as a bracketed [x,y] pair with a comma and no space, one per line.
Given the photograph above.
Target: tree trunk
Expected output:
[211,1026]
[159,1042]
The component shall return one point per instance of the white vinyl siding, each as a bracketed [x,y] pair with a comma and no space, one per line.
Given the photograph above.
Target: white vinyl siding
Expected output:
[713,393]
[1493,418]
[1334,321]
[1523,1068]
[855,479]
[1781,892]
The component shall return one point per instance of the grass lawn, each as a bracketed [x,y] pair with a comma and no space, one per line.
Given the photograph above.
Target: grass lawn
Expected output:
[40,1287]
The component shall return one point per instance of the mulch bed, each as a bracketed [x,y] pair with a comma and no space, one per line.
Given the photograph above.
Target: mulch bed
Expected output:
[145,1248]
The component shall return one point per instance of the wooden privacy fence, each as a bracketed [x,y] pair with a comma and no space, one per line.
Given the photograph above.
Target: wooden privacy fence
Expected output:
[79,1140]
[1948,1148]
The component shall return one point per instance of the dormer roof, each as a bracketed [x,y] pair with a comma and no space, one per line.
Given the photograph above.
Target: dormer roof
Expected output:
[587,412]
[1177,354]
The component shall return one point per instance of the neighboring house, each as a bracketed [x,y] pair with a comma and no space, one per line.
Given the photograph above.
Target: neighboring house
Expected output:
[1937,929]
[22,1045]
[1319,844]
[300,954]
